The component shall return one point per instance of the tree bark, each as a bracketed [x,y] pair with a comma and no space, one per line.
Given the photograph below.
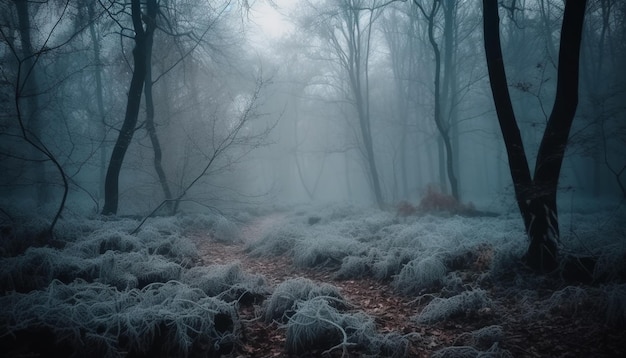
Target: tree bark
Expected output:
[28,93]
[111,186]
[536,196]
[99,93]
[442,127]
[150,126]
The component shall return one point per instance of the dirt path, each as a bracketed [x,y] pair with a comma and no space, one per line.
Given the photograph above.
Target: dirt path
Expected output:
[391,312]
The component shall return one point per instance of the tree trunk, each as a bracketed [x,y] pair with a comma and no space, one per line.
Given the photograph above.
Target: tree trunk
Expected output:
[536,196]
[99,95]
[442,127]
[150,127]
[111,186]
[28,93]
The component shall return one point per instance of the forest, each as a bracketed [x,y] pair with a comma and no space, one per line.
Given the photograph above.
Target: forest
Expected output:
[312,178]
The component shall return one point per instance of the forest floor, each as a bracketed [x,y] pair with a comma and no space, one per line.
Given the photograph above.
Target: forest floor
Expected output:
[558,334]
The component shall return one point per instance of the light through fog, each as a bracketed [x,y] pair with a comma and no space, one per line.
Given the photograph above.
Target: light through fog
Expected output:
[269,21]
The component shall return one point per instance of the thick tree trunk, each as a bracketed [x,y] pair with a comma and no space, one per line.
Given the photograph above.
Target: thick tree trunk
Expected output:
[111,186]
[536,196]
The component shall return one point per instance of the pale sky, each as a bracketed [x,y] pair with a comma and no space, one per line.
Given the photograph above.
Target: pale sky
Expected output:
[271,23]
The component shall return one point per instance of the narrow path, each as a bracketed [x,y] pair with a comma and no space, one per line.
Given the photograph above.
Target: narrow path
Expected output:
[391,312]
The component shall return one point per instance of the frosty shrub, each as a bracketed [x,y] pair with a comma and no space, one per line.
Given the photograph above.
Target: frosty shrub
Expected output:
[135,269]
[282,303]
[38,266]
[197,222]
[98,320]
[567,302]
[318,325]
[277,241]
[226,231]
[482,338]
[227,282]
[324,250]
[391,262]
[616,306]
[471,352]
[419,275]
[611,263]
[466,303]
[506,260]
[354,267]
[177,248]
[486,337]
[103,240]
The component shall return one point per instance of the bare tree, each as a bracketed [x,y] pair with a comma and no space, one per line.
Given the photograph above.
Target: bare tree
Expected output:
[443,91]
[347,29]
[143,41]
[536,195]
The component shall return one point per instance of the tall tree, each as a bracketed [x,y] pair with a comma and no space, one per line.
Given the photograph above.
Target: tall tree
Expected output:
[536,195]
[443,73]
[143,41]
[28,91]
[349,34]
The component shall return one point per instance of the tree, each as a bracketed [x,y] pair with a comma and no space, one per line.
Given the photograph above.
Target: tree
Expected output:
[536,195]
[143,42]
[348,31]
[443,90]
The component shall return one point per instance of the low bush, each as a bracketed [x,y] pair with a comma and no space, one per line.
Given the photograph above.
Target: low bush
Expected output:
[466,303]
[94,319]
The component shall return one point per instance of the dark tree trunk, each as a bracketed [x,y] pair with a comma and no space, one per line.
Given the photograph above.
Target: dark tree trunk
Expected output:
[442,126]
[536,195]
[150,126]
[99,93]
[28,93]
[111,185]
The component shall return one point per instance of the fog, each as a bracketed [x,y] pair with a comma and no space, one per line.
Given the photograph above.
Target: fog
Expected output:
[340,105]
[433,149]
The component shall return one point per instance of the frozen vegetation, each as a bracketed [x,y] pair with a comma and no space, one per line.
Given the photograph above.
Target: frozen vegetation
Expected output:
[99,290]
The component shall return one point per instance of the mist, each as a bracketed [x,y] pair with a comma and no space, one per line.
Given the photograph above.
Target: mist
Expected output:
[329,178]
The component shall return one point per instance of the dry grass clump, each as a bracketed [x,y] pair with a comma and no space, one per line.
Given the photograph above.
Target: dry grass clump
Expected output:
[277,241]
[38,266]
[283,301]
[468,303]
[616,306]
[317,327]
[98,320]
[227,282]
[470,352]
[419,275]
[325,250]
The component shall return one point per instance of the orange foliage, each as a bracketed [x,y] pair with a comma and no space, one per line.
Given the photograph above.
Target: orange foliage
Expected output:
[404,209]
[435,201]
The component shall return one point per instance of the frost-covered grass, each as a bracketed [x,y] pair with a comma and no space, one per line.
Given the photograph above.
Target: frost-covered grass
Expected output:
[102,291]
[418,253]
[99,320]
[117,293]
[227,282]
[470,268]
[468,303]
[319,325]
[287,295]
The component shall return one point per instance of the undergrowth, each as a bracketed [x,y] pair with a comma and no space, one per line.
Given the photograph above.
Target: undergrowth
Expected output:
[99,320]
